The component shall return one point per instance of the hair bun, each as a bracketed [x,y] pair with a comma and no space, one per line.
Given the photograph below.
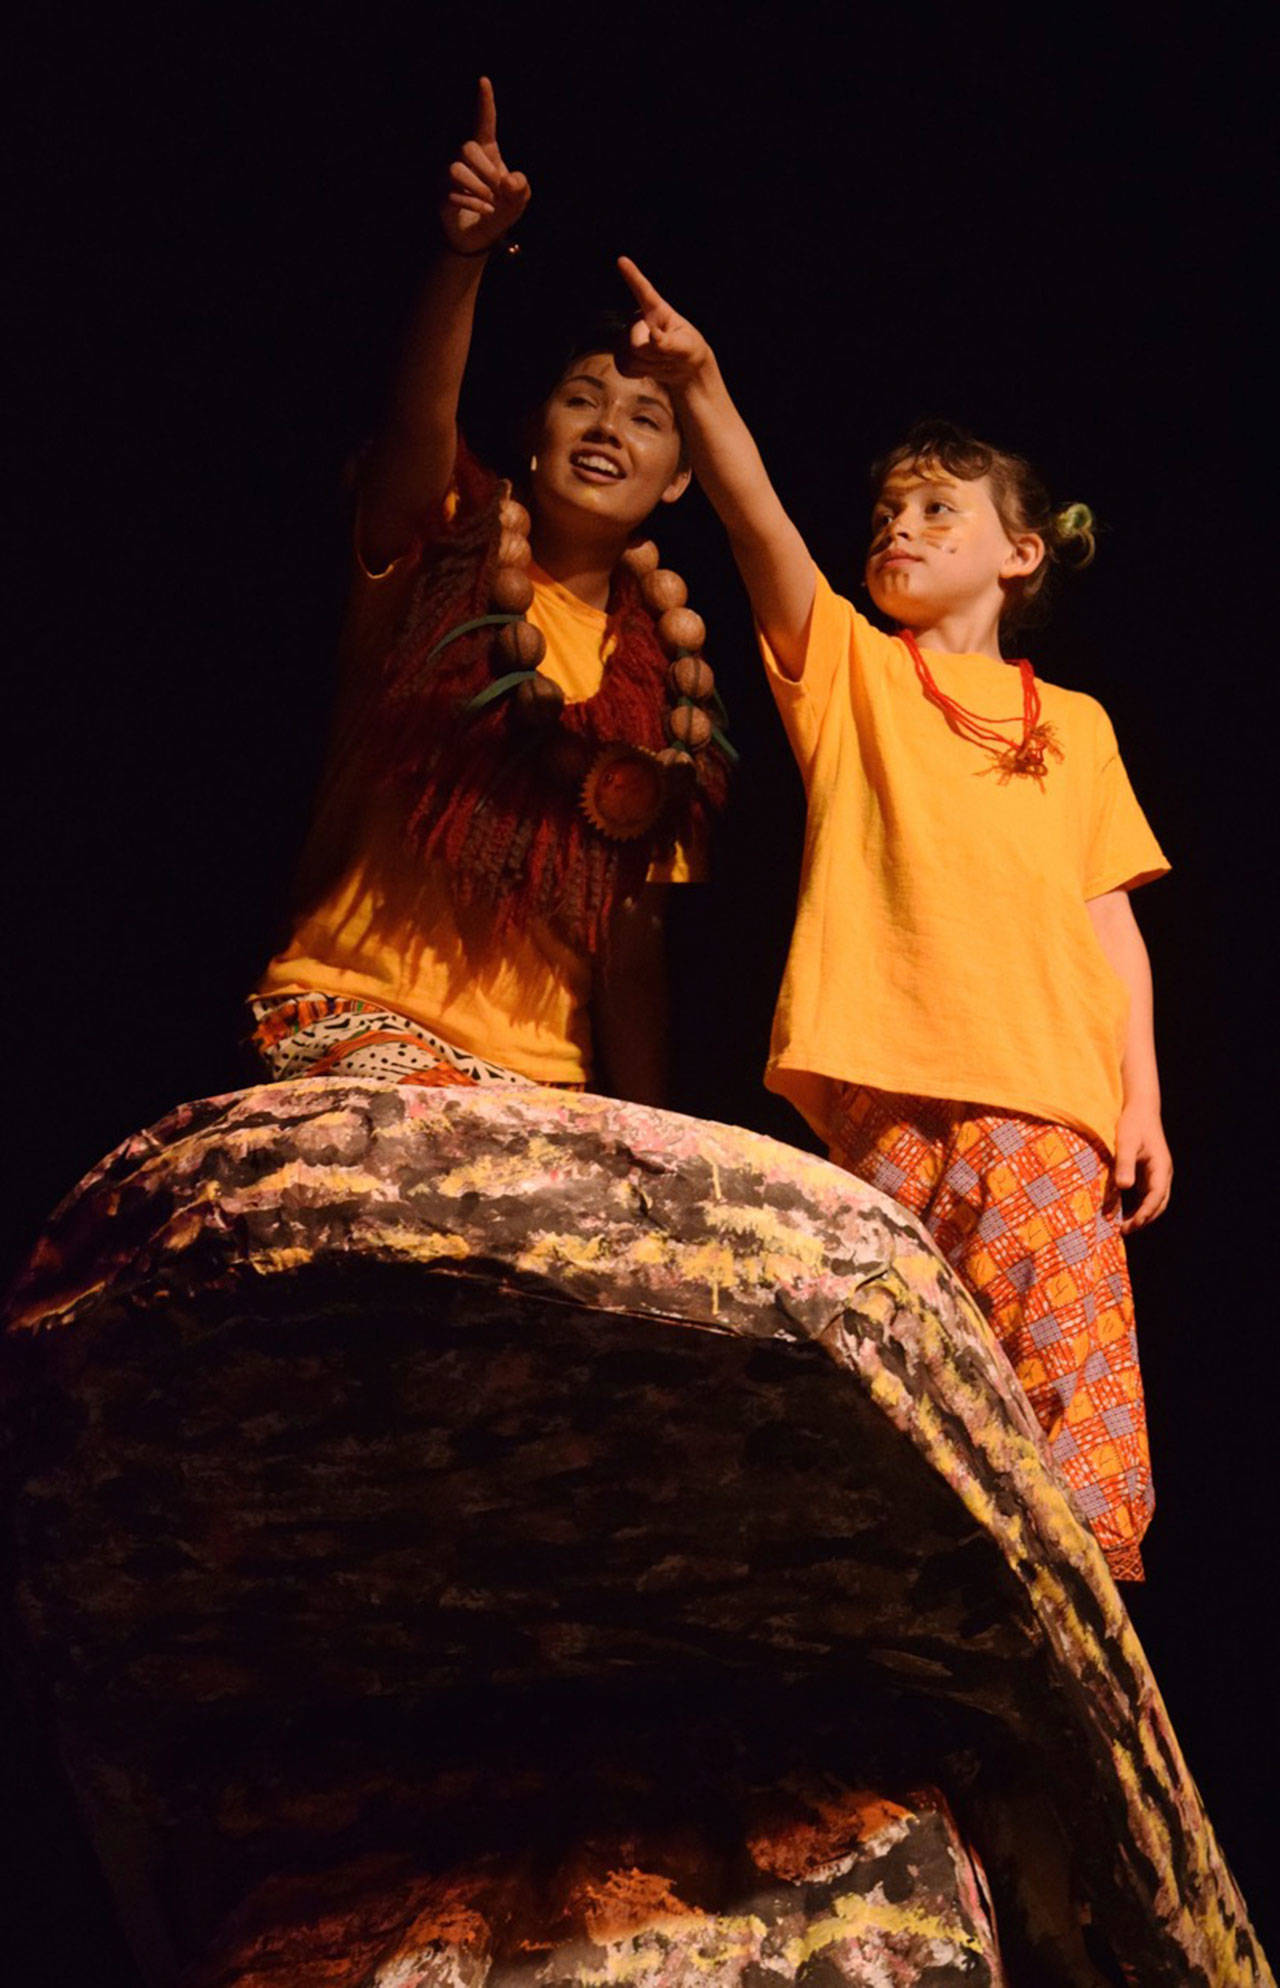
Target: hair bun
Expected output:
[1074,526]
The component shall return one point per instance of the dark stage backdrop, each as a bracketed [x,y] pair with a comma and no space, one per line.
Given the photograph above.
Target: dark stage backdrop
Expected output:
[1052,234]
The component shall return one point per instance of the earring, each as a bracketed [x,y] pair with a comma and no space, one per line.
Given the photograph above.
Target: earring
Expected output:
[533,465]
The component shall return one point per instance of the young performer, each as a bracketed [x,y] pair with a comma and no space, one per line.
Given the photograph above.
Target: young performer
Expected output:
[523,756]
[966,1015]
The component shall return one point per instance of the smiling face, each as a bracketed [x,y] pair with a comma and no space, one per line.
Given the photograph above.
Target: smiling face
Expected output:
[608,447]
[939,547]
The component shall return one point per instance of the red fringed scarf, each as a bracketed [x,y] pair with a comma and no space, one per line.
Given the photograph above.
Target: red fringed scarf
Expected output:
[480,793]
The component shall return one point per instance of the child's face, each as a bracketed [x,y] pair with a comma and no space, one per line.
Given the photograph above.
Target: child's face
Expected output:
[938,546]
[607,445]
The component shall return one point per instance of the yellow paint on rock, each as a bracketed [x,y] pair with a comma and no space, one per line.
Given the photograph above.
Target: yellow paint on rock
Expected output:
[551,1249]
[855,1914]
[790,1247]
[707,1944]
[509,1173]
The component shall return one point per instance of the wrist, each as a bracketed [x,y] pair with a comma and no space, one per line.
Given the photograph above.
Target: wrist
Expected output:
[501,245]
[705,382]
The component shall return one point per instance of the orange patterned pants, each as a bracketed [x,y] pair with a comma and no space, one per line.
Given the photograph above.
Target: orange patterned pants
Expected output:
[1023,1211]
[334,1035]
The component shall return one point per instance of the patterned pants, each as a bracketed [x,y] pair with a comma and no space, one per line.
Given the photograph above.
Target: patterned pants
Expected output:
[322,1035]
[1022,1211]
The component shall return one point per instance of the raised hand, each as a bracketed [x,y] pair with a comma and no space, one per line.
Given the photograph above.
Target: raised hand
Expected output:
[484,200]
[664,345]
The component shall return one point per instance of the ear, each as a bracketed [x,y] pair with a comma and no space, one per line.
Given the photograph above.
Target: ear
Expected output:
[677,486]
[1026,553]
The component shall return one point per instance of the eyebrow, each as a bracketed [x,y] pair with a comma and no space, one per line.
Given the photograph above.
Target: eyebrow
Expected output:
[641,399]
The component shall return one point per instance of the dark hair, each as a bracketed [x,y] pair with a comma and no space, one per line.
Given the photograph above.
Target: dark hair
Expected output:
[1021,499]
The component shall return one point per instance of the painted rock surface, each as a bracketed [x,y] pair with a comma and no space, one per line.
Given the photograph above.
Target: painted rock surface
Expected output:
[833,1886]
[507,1473]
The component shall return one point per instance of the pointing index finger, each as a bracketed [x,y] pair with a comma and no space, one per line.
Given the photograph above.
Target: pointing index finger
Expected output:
[486,113]
[640,286]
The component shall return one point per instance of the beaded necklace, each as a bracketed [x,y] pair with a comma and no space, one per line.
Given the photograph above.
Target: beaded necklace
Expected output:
[623,787]
[1027,756]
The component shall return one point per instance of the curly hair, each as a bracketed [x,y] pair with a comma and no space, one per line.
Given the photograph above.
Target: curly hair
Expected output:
[1021,499]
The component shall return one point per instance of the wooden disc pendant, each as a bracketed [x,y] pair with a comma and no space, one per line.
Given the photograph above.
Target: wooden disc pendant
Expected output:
[624,792]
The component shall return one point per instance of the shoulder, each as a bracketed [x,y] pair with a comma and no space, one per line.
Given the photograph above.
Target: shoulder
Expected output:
[1077,708]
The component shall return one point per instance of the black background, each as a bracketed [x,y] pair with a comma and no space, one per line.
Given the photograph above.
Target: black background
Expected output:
[1051,232]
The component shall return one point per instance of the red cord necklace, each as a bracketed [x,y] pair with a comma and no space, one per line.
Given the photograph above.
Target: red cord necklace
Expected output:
[1026,757]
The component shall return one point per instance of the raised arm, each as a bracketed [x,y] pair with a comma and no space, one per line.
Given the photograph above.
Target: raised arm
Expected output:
[412,461]
[773,559]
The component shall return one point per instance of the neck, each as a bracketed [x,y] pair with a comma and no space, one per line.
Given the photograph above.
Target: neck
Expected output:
[973,630]
[584,568]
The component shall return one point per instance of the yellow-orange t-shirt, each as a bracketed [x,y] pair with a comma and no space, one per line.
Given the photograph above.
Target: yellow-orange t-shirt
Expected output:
[942,945]
[524,1004]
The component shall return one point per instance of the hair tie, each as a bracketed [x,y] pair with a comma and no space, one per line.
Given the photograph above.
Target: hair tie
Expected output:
[1074,526]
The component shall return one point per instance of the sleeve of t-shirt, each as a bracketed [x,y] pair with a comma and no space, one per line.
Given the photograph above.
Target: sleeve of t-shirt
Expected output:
[828,644]
[1122,851]
[377,603]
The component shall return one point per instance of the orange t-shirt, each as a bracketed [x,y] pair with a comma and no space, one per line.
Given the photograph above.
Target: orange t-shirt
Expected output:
[942,945]
[524,1004]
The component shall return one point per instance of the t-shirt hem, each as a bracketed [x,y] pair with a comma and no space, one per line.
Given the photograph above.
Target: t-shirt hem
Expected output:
[797,1081]
[1125,880]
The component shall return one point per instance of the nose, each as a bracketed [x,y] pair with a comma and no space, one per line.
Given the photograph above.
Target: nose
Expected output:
[604,425]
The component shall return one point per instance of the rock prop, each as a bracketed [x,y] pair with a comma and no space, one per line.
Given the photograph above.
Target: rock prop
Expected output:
[496,1536]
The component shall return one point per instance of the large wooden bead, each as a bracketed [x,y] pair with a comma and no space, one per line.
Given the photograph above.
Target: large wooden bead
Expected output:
[521,645]
[513,517]
[682,628]
[641,558]
[538,701]
[514,549]
[689,726]
[511,590]
[691,676]
[663,589]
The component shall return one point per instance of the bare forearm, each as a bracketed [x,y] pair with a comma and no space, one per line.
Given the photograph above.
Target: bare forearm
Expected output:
[428,381]
[412,460]
[1138,1069]
[630,1009]
[1126,952]
[1142,1154]
[771,555]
